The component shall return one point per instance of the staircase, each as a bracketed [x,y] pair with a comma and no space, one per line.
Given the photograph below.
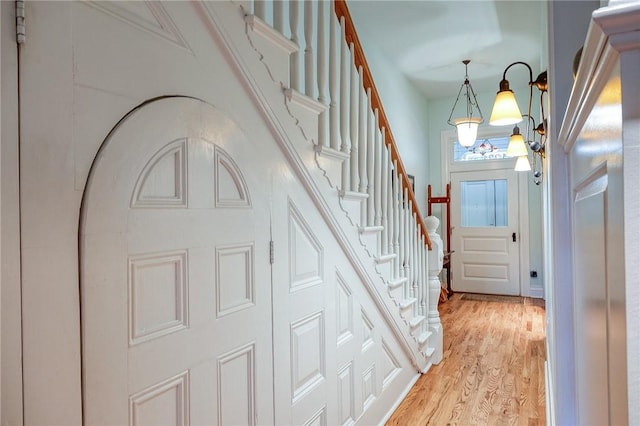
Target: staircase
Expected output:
[311,82]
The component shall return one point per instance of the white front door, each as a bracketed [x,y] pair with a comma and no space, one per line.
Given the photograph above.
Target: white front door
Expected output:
[485,234]
[175,273]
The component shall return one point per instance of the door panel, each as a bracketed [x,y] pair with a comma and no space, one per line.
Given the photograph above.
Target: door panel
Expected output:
[172,272]
[596,170]
[484,218]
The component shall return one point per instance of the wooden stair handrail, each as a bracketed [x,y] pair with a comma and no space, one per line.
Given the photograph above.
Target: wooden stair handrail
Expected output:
[342,10]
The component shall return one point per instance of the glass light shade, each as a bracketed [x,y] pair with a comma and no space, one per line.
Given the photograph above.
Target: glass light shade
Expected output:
[467,130]
[522,164]
[505,109]
[516,147]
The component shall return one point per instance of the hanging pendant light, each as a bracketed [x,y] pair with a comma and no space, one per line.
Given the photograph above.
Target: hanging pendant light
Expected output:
[516,147]
[468,124]
[522,164]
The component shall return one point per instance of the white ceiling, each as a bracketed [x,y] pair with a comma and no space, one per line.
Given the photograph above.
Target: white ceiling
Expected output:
[428,39]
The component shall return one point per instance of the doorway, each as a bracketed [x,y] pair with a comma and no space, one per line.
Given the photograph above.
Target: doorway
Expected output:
[485,232]
[485,258]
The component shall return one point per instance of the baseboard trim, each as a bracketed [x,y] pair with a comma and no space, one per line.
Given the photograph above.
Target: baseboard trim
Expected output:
[401,398]
[548,395]
[536,293]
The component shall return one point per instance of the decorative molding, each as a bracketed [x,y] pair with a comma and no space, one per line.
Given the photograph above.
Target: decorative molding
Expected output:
[368,387]
[346,397]
[344,310]
[227,171]
[308,353]
[163,180]
[305,247]
[235,278]
[367,332]
[319,418]
[146,273]
[231,388]
[393,368]
[179,384]
[161,25]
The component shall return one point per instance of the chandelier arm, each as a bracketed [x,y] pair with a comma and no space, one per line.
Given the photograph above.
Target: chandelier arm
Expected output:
[454,106]
[529,109]
[504,74]
[543,118]
[475,100]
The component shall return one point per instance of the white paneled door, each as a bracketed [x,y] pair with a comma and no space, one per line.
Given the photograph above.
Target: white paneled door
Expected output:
[176,291]
[485,232]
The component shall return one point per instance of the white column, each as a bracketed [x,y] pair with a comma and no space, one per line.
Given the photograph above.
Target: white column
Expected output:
[344,106]
[436,256]
[370,160]
[353,121]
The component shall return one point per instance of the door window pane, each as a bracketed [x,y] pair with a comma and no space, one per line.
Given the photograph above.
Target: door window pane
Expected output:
[484,203]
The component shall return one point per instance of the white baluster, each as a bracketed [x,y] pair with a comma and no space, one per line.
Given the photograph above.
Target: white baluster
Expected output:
[377,170]
[322,75]
[396,218]
[435,259]
[278,15]
[425,278]
[401,227]
[384,249]
[412,248]
[344,106]
[405,240]
[294,76]
[362,143]
[370,160]
[390,208]
[309,76]
[334,140]
[420,278]
[353,121]
[259,8]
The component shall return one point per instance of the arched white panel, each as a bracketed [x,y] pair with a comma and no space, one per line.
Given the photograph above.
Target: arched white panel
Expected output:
[231,189]
[163,181]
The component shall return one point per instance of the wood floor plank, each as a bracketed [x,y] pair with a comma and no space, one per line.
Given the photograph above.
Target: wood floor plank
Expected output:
[492,372]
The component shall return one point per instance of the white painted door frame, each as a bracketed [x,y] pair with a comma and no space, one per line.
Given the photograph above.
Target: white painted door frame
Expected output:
[447,139]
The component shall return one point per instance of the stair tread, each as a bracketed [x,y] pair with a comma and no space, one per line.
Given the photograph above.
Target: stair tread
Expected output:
[325,151]
[407,302]
[416,321]
[397,282]
[424,337]
[385,258]
[354,195]
[370,229]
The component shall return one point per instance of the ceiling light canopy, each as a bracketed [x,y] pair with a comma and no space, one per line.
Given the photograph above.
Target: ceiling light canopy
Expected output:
[467,124]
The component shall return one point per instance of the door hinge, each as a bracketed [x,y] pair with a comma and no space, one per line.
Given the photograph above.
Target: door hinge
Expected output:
[271,252]
[20,26]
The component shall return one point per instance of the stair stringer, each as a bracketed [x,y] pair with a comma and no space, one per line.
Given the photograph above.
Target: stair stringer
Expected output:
[299,149]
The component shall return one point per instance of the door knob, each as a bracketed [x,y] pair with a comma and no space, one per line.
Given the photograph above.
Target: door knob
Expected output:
[513,237]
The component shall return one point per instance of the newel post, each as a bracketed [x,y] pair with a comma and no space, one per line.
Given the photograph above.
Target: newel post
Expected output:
[436,257]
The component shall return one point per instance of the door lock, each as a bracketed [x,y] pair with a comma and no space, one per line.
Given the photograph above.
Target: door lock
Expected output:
[513,237]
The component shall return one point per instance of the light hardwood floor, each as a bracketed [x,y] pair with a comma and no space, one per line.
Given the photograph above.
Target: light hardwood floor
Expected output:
[492,372]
